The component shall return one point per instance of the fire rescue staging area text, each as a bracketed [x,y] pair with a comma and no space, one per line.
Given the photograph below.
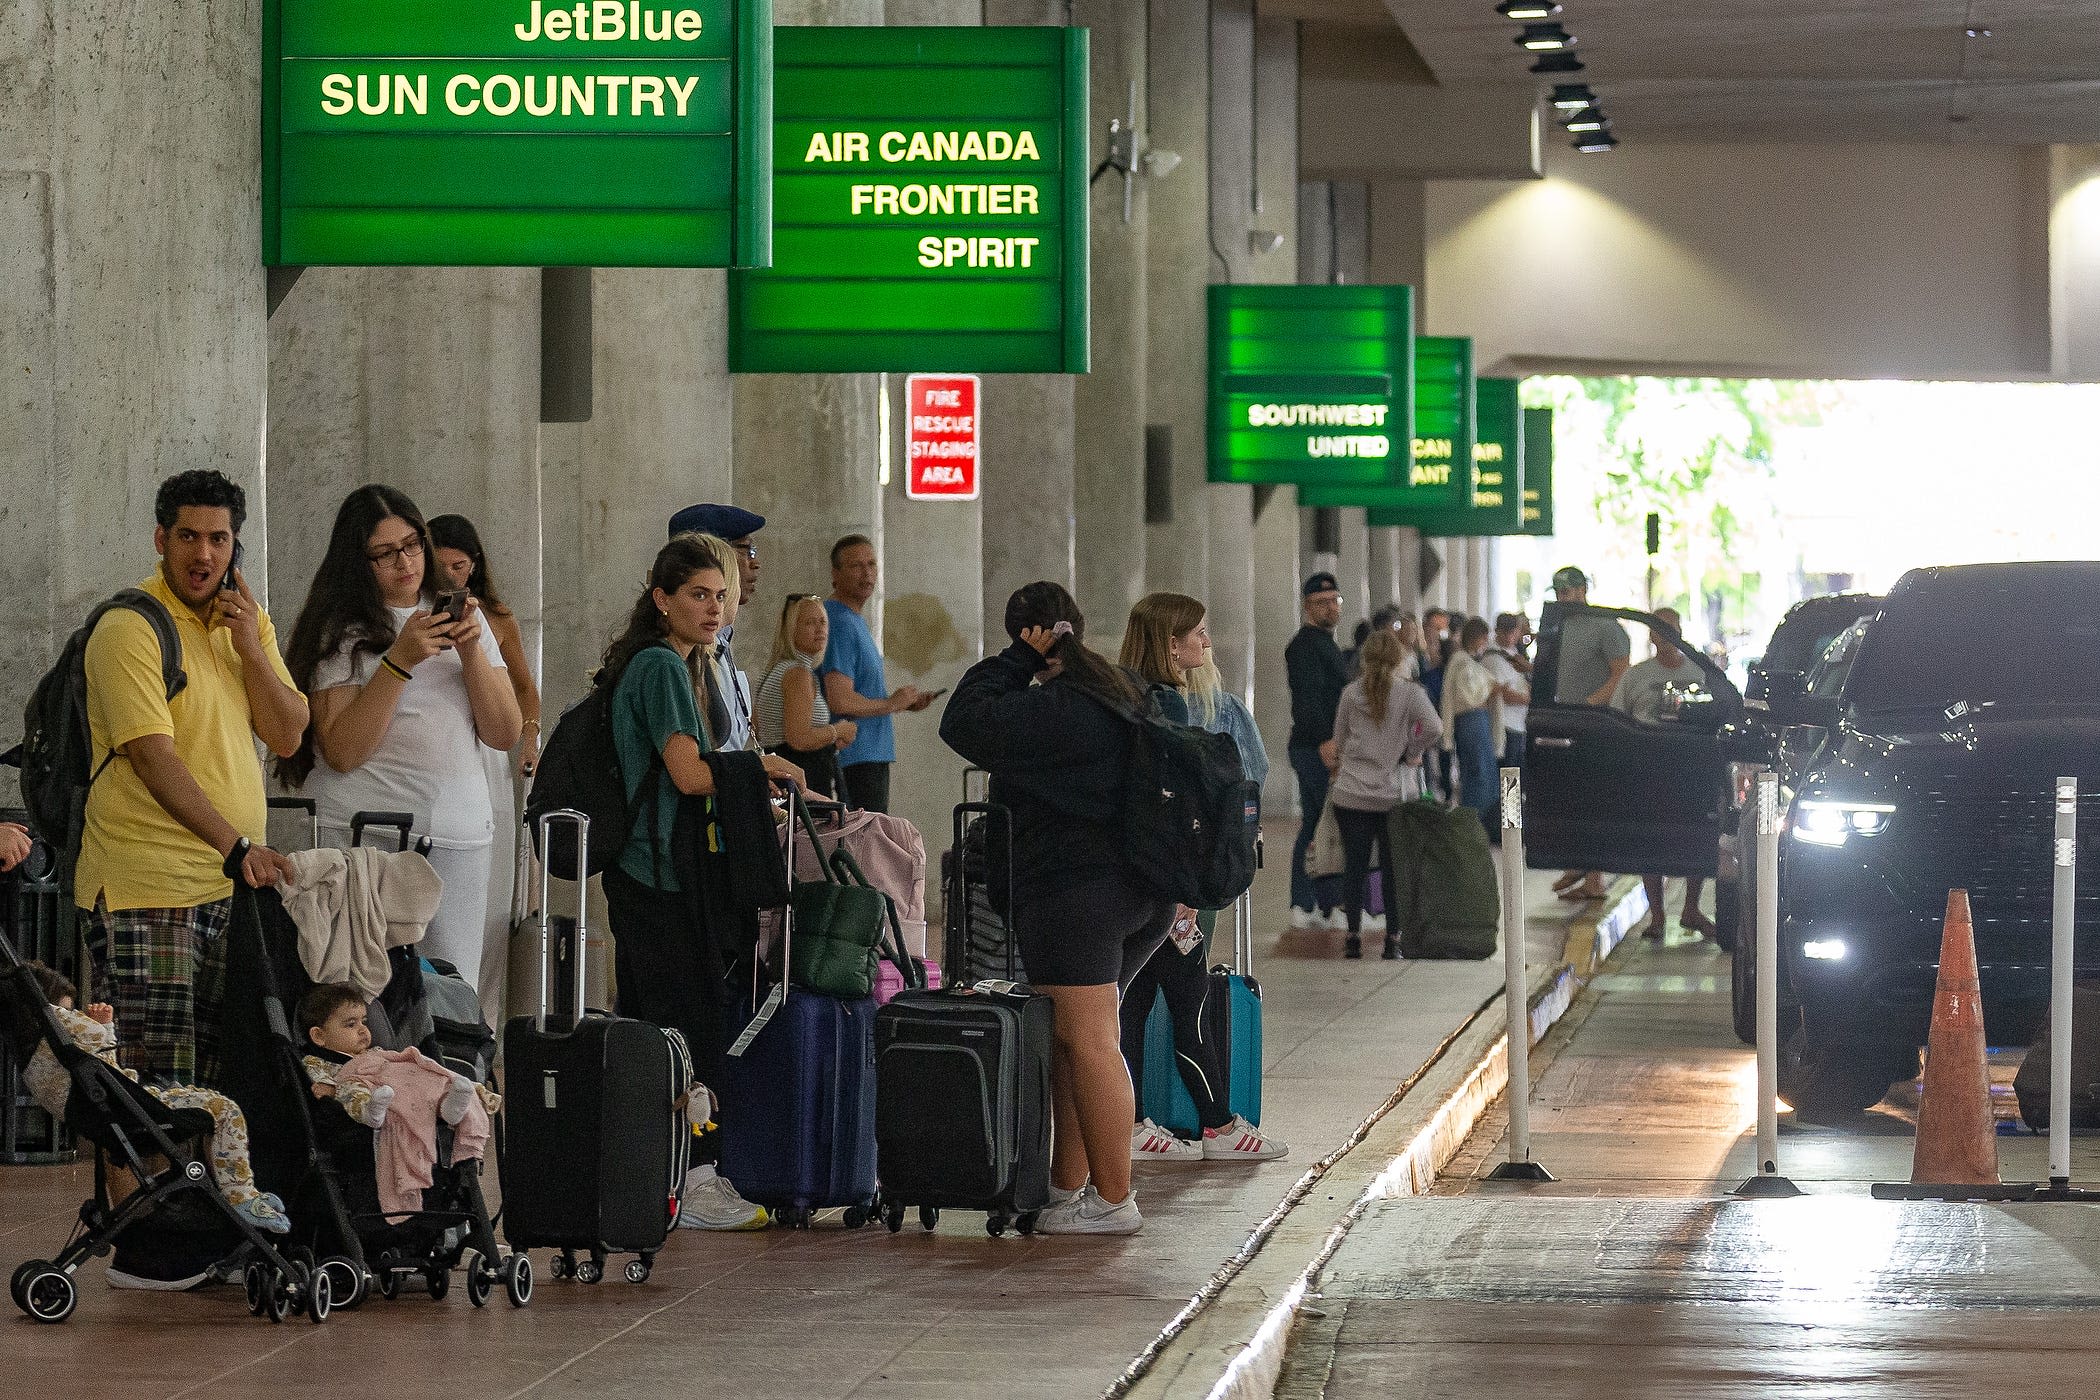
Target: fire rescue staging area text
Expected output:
[982,199]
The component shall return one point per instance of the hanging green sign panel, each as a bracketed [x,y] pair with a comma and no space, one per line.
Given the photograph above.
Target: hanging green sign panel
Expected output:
[611,133]
[930,204]
[1313,386]
[1497,477]
[1538,471]
[1443,434]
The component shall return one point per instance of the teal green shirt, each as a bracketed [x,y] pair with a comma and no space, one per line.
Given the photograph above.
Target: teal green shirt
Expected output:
[654,702]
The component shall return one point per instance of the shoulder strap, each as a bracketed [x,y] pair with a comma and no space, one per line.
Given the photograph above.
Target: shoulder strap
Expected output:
[173,677]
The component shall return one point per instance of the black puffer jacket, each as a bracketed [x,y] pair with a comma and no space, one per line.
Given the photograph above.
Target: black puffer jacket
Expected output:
[1058,759]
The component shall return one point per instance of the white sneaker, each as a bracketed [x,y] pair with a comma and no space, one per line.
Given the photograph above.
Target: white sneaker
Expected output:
[1338,920]
[1241,1141]
[711,1203]
[1151,1143]
[1305,920]
[1373,923]
[1088,1214]
[1062,1198]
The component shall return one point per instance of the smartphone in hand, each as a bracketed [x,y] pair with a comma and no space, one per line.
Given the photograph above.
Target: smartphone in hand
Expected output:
[229,584]
[452,605]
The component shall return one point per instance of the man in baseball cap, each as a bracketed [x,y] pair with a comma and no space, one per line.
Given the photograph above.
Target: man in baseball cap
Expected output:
[1316,671]
[1594,653]
[733,524]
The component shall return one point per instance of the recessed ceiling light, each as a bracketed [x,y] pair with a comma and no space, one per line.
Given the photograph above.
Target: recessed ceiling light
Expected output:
[1528,9]
[1545,38]
[1570,97]
[1590,118]
[1972,33]
[1592,142]
[1550,64]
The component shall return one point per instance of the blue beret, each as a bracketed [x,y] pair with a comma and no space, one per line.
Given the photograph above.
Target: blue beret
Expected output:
[727,522]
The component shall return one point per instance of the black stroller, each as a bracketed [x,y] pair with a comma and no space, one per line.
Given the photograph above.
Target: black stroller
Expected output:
[321,1162]
[161,1149]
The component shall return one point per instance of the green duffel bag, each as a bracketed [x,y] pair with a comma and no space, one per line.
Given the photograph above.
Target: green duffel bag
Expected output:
[838,928]
[1449,901]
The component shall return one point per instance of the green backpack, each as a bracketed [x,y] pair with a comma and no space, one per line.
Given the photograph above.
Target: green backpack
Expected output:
[1449,901]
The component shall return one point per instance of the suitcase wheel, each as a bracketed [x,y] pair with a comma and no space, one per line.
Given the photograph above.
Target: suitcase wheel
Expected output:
[796,1217]
[562,1265]
[637,1271]
[893,1215]
[1024,1223]
[590,1270]
[857,1216]
[995,1224]
[929,1216]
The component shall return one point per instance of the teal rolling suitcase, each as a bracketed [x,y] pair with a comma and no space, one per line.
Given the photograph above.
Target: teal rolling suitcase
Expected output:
[1232,1001]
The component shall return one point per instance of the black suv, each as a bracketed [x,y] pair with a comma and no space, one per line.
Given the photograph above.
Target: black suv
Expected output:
[1972,691]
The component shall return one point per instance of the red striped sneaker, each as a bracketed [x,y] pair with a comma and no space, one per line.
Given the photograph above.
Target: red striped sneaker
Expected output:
[1241,1141]
[1151,1143]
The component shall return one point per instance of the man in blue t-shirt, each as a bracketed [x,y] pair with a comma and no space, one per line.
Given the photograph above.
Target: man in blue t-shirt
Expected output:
[854,684]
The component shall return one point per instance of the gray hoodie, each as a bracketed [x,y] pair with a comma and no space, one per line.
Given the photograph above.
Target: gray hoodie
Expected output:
[1370,778]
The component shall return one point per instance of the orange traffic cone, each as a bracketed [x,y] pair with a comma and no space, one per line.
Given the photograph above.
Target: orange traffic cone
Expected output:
[1957,1139]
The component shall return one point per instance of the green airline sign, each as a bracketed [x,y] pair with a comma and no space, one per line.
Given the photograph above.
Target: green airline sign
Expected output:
[1443,434]
[930,204]
[1497,478]
[1538,471]
[1312,385]
[610,133]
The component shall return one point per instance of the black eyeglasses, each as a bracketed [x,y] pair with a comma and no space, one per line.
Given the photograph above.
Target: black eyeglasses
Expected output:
[407,549]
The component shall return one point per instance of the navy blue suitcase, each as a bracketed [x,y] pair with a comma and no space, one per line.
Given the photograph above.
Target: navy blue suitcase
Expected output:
[798,1100]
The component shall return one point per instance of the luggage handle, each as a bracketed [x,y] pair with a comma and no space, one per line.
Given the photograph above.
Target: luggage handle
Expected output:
[973,772]
[994,814]
[403,824]
[313,815]
[582,824]
[1243,921]
[900,957]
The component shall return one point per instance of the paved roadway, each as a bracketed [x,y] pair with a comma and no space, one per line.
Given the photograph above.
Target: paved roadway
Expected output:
[1636,1275]
[815,1315]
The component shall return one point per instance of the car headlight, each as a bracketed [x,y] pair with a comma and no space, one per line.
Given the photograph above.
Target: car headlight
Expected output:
[1824,822]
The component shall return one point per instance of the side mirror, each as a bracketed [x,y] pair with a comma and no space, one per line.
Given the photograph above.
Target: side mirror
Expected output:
[1784,688]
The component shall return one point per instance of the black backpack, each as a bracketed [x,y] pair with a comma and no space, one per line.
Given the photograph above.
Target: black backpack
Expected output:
[579,770]
[1189,815]
[57,746]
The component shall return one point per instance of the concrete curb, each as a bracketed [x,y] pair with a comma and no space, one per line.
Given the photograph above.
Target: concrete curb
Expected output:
[1230,1342]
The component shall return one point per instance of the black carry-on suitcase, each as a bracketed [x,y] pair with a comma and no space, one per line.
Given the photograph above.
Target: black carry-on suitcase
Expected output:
[594,1131]
[962,1082]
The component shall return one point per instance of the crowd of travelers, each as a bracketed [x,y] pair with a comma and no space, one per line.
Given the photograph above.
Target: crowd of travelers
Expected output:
[406,687]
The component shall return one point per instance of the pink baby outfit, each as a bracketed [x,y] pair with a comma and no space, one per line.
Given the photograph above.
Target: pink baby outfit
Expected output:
[407,1149]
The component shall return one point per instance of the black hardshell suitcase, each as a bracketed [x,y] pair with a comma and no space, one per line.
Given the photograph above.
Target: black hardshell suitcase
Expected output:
[962,1087]
[594,1134]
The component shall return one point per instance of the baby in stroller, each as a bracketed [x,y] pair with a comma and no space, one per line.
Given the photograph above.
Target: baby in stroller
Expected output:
[400,1094]
[94,1031]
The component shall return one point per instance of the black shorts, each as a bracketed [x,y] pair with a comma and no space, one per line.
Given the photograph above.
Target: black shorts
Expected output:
[1090,934]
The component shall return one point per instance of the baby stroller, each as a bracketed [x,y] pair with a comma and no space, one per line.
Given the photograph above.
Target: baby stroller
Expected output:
[321,1161]
[160,1148]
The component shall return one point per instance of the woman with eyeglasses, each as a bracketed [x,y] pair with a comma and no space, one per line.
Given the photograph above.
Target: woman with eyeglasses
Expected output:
[793,720]
[405,698]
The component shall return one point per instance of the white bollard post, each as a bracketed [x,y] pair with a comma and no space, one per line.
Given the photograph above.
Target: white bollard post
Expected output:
[1767,1183]
[2062,925]
[1516,988]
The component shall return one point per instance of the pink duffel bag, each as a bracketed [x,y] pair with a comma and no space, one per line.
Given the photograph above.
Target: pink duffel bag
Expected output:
[889,851]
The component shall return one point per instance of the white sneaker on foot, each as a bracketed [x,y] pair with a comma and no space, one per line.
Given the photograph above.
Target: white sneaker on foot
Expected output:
[1374,923]
[1241,1141]
[1088,1214]
[1304,920]
[711,1203]
[1062,1198]
[1151,1143]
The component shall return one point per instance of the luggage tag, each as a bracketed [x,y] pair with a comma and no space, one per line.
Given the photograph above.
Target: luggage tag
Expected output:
[775,999]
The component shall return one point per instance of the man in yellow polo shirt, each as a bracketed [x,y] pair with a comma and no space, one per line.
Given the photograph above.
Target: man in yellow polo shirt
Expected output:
[181,807]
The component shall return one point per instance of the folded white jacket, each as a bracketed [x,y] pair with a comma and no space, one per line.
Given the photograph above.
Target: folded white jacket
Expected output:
[352,906]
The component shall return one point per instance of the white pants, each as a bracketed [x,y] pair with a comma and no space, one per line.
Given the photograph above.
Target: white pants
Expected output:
[494,976]
[460,927]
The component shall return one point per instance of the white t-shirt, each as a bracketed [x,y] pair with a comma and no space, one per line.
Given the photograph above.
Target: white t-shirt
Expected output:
[429,763]
[1505,673]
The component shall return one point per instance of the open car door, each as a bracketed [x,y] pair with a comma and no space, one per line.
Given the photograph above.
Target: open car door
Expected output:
[1606,791]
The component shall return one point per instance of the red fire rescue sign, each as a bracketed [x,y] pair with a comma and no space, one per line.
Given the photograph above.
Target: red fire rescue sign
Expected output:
[941,437]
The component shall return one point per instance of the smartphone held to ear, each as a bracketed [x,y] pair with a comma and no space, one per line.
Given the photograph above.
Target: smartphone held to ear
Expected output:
[230,584]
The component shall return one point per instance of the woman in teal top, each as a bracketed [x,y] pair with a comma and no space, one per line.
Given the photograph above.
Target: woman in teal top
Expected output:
[670,964]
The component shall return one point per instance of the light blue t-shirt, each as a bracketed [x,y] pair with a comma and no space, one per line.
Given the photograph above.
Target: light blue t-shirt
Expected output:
[853,654]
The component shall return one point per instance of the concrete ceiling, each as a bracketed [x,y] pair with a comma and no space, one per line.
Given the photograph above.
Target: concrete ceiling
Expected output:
[1794,70]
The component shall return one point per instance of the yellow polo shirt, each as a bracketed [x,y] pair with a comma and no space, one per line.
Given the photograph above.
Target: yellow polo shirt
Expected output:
[133,853]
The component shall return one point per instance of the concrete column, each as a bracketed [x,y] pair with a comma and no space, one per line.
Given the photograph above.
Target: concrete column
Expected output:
[131,297]
[1178,111]
[1407,559]
[1384,585]
[1277,614]
[1109,404]
[1397,245]
[2074,262]
[1353,568]
[933,619]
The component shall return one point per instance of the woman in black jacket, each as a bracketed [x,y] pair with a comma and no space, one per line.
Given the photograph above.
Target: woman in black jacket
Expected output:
[1057,752]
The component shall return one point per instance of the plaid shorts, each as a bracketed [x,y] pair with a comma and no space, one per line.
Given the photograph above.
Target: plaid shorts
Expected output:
[164,970]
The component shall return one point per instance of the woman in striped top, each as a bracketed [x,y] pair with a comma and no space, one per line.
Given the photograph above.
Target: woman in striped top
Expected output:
[793,720]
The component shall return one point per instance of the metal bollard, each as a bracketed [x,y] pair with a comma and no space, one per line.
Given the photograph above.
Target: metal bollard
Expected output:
[1767,1183]
[1516,990]
[2063,918]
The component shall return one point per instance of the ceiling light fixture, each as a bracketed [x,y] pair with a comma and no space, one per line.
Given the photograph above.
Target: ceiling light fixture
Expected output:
[1528,9]
[1590,118]
[1572,97]
[1545,38]
[1593,142]
[1553,64]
